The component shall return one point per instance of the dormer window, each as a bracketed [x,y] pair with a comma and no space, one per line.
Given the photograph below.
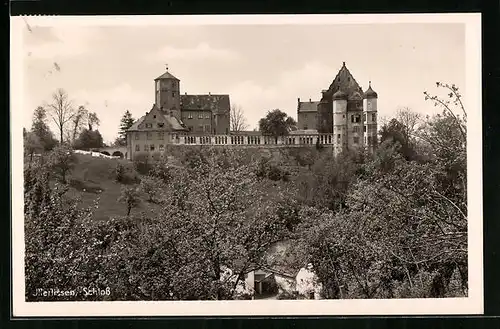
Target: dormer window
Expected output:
[160,124]
[154,116]
[149,125]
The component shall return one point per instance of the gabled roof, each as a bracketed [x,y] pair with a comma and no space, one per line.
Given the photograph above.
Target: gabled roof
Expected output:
[308,106]
[345,82]
[136,124]
[166,75]
[211,102]
[173,123]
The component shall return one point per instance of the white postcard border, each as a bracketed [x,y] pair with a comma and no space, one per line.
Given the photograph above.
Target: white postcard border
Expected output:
[471,305]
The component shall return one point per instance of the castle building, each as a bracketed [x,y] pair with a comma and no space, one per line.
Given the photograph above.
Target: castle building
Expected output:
[344,111]
[345,118]
[173,116]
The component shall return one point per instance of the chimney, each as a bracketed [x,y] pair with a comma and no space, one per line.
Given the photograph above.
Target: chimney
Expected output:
[298,100]
[310,100]
[185,93]
[209,94]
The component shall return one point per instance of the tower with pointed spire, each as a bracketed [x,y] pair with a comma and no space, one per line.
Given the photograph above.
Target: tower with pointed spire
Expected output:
[370,118]
[346,112]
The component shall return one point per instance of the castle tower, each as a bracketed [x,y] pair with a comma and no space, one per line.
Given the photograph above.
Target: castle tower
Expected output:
[167,96]
[370,118]
[339,122]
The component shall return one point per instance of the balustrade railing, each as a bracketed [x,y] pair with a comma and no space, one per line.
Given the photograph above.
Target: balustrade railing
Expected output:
[255,140]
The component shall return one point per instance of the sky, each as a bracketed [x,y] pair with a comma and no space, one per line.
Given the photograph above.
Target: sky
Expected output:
[111,69]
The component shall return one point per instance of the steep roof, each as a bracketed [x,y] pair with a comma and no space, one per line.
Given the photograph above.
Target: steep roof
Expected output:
[345,82]
[166,75]
[308,106]
[215,103]
[136,124]
[370,93]
[173,123]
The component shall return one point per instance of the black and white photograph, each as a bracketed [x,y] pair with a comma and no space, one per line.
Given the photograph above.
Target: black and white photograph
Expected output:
[246,165]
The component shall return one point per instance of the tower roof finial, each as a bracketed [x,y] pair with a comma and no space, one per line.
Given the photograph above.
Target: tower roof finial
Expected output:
[166,67]
[343,63]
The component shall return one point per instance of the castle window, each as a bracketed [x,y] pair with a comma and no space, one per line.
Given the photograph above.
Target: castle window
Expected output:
[146,147]
[190,115]
[173,84]
[137,136]
[364,128]
[364,117]
[305,127]
[355,140]
[160,135]
[149,135]
[152,147]
[355,129]
[207,116]
[200,115]
[374,116]
[173,93]
[154,116]
[137,147]
[355,118]
[149,125]
[161,148]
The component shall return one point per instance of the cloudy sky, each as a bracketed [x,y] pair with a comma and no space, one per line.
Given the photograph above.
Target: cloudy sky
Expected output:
[111,69]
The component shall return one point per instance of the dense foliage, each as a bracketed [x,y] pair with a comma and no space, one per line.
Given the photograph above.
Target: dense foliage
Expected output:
[392,224]
[277,123]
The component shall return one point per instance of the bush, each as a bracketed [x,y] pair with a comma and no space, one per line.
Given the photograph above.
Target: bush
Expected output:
[142,163]
[286,294]
[265,169]
[119,173]
[150,186]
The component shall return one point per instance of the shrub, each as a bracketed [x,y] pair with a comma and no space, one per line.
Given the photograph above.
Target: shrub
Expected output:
[119,173]
[150,186]
[129,197]
[286,294]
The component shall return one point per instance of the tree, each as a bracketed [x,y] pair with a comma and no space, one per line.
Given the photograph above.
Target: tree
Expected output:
[78,122]
[93,120]
[61,111]
[218,222]
[237,118]
[125,123]
[41,130]
[410,121]
[32,144]
[277,123]
[129,197]
[151,187]
[62,160]
[89,139]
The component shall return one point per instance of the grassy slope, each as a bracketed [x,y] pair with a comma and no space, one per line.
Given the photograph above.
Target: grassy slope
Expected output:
[99,176]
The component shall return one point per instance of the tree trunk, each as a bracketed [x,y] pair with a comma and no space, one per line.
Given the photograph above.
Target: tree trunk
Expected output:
[129,208]
[61,135]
